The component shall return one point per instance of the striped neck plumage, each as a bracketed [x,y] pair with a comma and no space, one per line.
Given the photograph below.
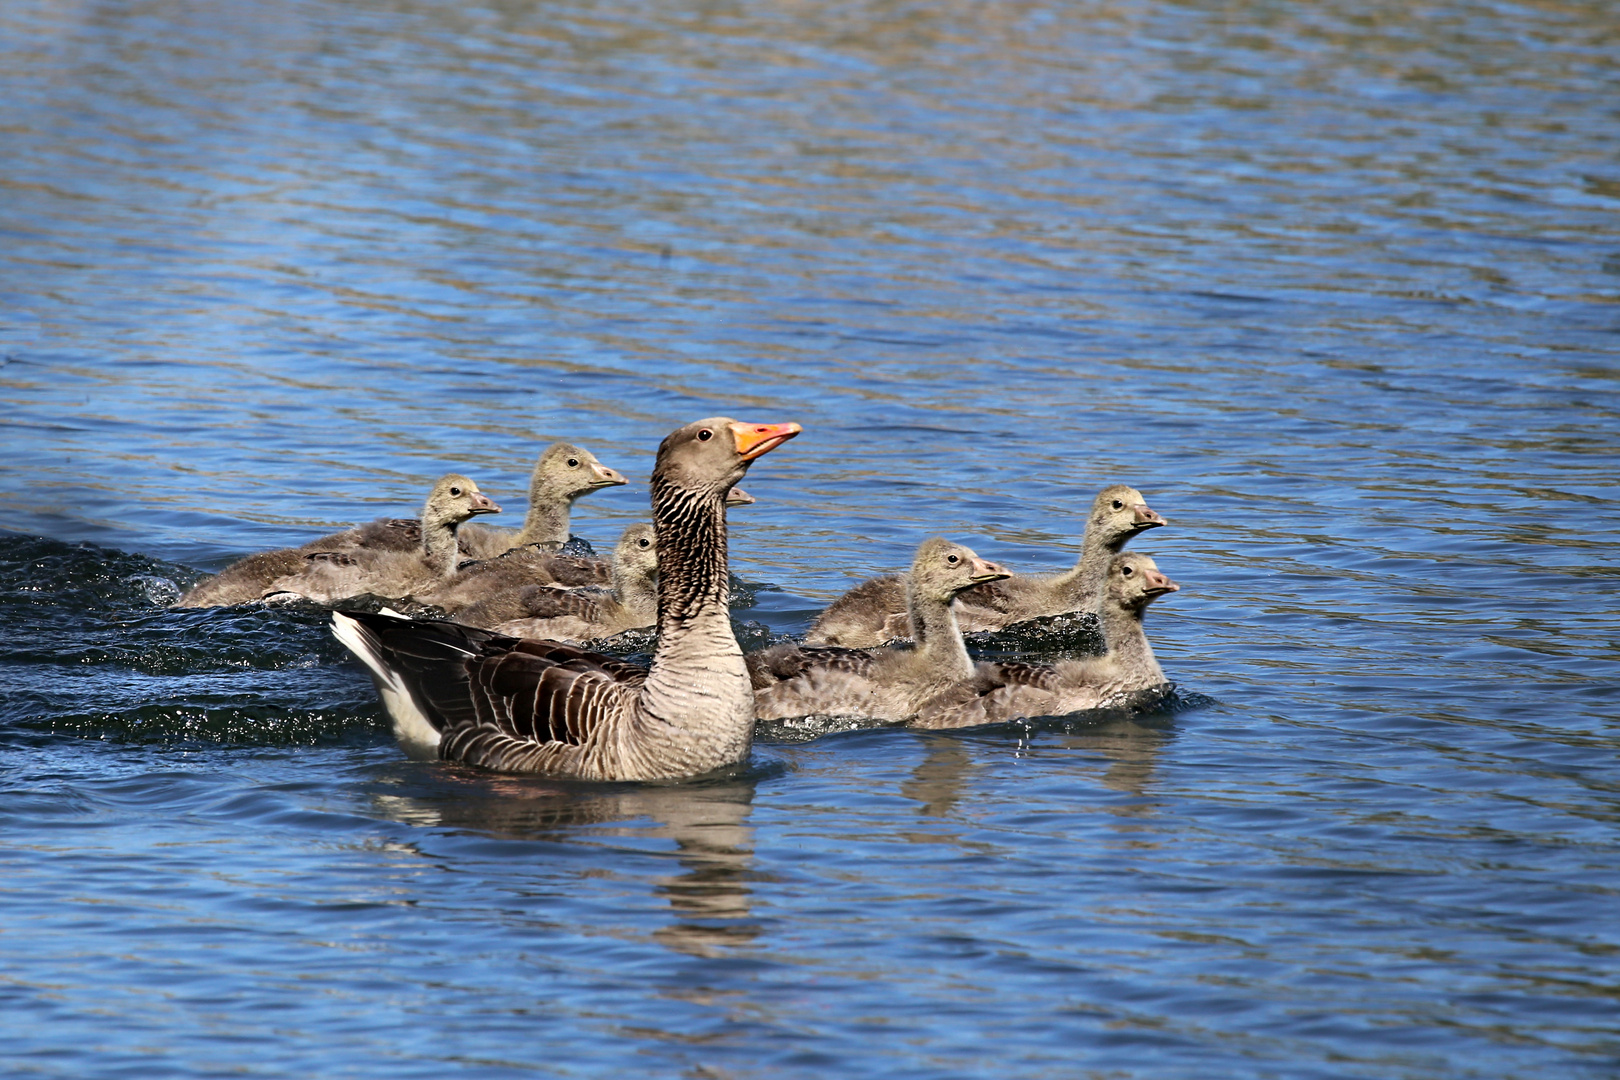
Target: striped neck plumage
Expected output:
[692,570]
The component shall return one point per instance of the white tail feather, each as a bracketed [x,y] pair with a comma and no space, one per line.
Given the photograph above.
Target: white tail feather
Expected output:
[417,737]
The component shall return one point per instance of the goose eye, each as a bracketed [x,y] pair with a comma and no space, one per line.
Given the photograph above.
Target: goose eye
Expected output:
[573,463]
[1118,505]
[705,435]
[455,491]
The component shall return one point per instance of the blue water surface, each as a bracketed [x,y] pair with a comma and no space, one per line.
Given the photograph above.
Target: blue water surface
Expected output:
[1336,285]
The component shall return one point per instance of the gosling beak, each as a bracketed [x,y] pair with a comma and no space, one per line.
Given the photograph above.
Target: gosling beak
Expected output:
[738,497]
[754,440]
[987,571]
[1156,584]
[1145,518]
[479,503]
[602,476]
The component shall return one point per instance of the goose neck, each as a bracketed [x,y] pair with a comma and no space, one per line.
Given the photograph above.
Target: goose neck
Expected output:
[693,584]
[697,698]
[439,544]
[1085,585]
[1128,650]
[938,637]
[547,520]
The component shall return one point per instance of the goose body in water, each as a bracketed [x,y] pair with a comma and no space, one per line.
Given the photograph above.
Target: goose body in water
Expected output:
[516,705]
[875,611]
[888,683]
[1126,675]
[330,574]
[563,473]
[550,611]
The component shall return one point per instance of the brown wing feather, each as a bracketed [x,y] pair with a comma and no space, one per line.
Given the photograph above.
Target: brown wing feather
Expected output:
[500,702]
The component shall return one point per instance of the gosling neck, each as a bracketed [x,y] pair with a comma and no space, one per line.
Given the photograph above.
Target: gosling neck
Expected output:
[1084,586]
[439,549]
[1128,650]
[938,637]
[547,519]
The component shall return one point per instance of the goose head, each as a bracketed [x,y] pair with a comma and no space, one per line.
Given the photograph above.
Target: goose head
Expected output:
[1120,512]
[453,500]
[710,456]
[637,551]
[565,472]
[1134,582]
[942,569]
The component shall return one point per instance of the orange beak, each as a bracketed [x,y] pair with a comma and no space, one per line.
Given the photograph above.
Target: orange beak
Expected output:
[754,440]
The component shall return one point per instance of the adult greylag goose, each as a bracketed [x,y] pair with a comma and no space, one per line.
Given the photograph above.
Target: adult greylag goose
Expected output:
[885,683]
[874,611]
[251,579]
[329,576]
[549,611]
[1128,672]
[515,705]
[563,473]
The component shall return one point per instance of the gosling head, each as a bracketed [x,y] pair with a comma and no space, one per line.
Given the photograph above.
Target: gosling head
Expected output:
[942,569]
[637,551]
[738,497]
[453,500]
[1134,582]
[708,457]
[1118,513]
[565,472]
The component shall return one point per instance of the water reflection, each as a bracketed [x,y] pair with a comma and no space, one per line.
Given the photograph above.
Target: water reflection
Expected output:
[1129,747]
[1132,751]
[938,780]
[708,822]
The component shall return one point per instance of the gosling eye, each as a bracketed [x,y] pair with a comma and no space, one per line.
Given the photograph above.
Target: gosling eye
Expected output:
[573,463]
[1127,570]
[455,491]
[953,559]
[1118,505]
[705,435]
[644,542]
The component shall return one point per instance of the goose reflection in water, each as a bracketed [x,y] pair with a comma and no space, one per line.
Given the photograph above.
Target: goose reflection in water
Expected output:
[1132,750]
[1130,747]
[706,820]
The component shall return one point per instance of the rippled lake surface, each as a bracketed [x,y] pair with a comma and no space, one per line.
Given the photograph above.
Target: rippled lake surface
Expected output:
[1337,285]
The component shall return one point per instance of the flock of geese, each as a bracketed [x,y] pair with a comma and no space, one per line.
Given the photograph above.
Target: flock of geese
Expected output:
[502,684]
